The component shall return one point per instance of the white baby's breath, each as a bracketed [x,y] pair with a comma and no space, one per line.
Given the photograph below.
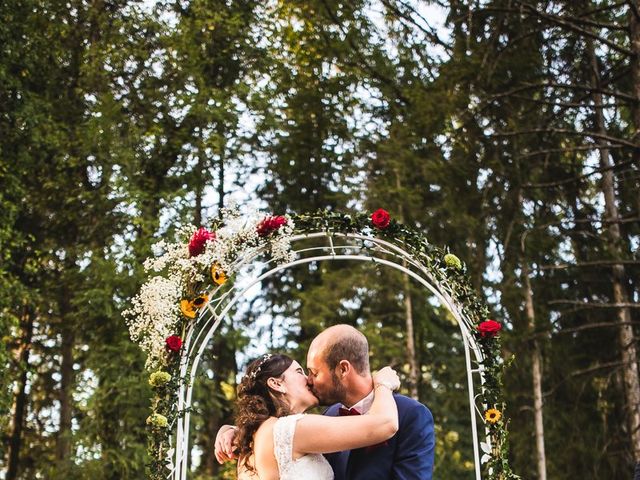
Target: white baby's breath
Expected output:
[155,312]
[281,243]
[153,316]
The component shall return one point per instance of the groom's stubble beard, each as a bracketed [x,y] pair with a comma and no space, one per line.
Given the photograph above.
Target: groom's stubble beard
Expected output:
[336,394]
[339,390]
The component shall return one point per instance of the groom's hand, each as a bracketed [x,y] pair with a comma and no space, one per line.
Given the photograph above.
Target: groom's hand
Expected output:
[224,444]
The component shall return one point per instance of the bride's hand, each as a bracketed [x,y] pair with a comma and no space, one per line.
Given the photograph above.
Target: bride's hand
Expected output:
[223,448]
[386,377]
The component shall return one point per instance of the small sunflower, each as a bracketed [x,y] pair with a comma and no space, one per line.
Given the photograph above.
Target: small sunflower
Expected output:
[492,415]
[188,309]
[200,301]
[218,275]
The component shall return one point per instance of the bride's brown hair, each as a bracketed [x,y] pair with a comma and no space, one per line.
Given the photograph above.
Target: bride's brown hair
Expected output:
[257,402]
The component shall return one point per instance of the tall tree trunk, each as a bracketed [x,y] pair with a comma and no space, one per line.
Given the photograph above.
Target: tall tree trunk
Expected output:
[634,33]
[626,337]
[197,215]
[212,425]
[20,401]
[536,374]
[63,441]
[198,183]
[108,435]
[221,174]
[225,370]
[411,346]
[408,313]
[221,363]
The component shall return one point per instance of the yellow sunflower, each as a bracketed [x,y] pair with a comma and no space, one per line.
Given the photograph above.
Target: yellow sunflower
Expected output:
[188,309]
[200,301]
[492,415]
[218,275]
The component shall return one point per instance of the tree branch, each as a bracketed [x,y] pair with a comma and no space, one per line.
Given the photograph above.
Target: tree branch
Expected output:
[589,89]
[562,22]
[564,150]
[594,325]
[565,104]
[566,131]
[364,66]
[634,9]
[579,177]
[433,36]
[601,263]
[595,368]
[594,305]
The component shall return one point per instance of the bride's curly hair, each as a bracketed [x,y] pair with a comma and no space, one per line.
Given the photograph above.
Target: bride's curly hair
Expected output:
[257,402]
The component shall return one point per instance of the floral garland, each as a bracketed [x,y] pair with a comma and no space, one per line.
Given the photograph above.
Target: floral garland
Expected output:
[184,272]
[181,276]
[449,271]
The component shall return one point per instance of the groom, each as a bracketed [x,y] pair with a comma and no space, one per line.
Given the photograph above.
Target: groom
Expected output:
[339,374]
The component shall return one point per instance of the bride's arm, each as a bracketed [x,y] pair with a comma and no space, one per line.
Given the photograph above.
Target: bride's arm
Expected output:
[324,434]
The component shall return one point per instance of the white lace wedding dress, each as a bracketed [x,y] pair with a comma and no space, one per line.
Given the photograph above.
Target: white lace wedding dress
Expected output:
[312,466]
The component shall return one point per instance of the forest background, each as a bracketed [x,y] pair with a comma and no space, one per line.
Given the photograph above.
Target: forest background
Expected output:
[505,130]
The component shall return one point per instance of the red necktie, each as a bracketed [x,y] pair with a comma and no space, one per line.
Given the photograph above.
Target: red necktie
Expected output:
[343,412]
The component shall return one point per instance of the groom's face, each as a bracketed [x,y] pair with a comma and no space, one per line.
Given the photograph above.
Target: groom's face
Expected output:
[323,382]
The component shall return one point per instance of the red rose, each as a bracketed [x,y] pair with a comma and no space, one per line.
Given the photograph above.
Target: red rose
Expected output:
[199,240]
[173,343]
[380,219]
[489,328]
[270,224]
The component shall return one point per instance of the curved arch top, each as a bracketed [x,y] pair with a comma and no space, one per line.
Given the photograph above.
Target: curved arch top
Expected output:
[176,312]
[315,246]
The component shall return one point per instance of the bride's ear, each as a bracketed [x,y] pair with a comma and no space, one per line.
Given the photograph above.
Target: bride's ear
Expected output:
[276,385]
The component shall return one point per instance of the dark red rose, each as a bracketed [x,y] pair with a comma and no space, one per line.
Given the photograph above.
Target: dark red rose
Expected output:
[173,343]
[489,328]
[198,241]
[270,225]
[380,219]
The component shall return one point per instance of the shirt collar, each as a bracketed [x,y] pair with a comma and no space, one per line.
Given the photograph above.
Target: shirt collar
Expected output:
[364,405]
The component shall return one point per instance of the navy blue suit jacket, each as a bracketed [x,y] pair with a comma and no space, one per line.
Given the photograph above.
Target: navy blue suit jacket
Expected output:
[408,455]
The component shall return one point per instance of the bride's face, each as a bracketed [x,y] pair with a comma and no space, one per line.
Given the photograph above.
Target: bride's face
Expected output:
[298,394]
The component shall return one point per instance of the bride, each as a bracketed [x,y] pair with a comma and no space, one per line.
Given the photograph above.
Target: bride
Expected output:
[276,440]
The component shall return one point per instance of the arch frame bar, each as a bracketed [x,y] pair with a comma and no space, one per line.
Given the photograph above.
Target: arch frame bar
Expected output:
[211,317]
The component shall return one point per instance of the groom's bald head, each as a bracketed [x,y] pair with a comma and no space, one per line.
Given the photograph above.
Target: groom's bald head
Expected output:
[338,364]
[342,342]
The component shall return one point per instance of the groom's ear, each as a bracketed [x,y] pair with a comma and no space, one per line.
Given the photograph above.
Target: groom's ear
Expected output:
[343,368]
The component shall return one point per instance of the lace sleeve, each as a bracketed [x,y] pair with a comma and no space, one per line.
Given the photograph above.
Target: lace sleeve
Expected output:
[283,432]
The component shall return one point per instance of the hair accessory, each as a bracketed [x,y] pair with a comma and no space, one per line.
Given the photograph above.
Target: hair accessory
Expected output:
[256,371]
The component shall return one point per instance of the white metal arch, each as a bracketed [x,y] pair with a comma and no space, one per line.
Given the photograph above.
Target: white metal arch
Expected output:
[335,246]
